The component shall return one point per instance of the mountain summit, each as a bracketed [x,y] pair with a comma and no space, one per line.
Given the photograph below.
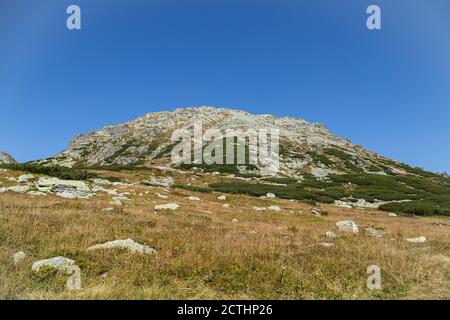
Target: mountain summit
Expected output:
[304,146]
[5,158]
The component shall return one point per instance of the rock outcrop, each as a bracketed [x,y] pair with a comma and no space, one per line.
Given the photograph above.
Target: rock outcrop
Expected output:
[5,158]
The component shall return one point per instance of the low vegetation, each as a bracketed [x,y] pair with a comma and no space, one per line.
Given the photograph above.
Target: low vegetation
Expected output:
[427,196]
[54,171]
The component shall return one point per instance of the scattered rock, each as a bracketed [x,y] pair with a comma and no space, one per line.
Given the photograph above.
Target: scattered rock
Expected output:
[107,209]
[169,206]
[392,215]
[192,198]
[270,195]
[374,232]
[417,240]
[64,188]
[161,196]
[19,189]
[326,244]
[347,226]
[259,208]
[70,192]
[226,205]
[36,193]
[274,208]
[330,234]
[342,204]
[127,244]
[234,221]
[101,181]
[62,264]
[111,192]
[223,198]
[25,178]
[316,212]
[18,257]
[159,182]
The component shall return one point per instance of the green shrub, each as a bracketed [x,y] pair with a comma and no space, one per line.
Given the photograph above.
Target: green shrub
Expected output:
[193,188]
[420,208]
[64,173]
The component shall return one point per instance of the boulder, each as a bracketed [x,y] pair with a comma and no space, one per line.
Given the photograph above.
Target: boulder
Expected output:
[374,232]
[347,226]
[62,265]
[259,208]
[326,244]
[417,240]
[64,188]
[111,192]
[330,234]
[25,177]
[101,181]
[270,195]
[392,215]
[192,198]
[223,198]
[19,189]
[127,244]
[18,257]
[169,206]
[161,196]
[159,182]
[36,193]
[274,208]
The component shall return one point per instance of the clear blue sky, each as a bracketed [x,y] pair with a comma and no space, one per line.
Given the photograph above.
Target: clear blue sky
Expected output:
[387,90]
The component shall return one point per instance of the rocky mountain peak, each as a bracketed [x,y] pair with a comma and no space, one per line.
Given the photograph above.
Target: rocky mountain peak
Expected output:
[304,146]
[5,158]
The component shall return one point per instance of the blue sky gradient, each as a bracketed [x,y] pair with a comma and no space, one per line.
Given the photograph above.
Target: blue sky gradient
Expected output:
[387,90]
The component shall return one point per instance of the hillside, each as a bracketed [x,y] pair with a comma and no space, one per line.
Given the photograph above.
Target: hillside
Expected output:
[314,164]
[112,218]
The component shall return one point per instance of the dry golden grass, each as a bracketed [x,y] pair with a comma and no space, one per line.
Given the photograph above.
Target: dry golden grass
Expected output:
[201,254]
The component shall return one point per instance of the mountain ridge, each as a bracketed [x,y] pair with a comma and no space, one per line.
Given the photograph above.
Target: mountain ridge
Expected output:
[147,138]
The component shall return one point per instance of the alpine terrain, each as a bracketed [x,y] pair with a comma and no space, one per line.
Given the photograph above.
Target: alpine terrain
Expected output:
[113,217]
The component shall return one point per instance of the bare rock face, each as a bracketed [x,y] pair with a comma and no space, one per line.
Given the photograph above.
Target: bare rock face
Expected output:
[6,158]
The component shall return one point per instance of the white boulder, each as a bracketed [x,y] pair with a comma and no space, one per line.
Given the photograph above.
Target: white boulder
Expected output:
[420,239]
[127,244]
[330,234]
[347,226]
[169,206]
[25,177]
[18,257]
[62,264]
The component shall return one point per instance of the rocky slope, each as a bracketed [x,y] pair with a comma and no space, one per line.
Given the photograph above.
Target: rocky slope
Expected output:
[6,158]
[304,146]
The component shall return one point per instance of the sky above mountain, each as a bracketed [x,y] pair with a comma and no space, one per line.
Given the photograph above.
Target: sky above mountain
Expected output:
[387,90]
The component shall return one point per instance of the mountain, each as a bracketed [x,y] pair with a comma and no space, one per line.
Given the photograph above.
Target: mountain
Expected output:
[304,146]
[5,158]
[315,165]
